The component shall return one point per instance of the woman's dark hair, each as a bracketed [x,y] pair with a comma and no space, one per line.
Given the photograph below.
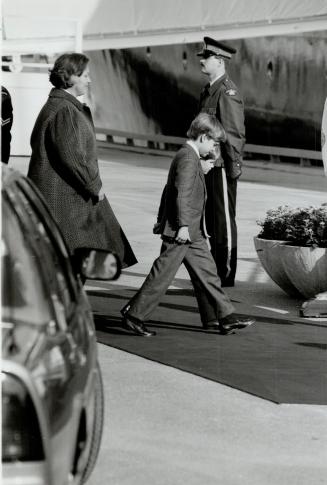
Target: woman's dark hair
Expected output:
[65,66]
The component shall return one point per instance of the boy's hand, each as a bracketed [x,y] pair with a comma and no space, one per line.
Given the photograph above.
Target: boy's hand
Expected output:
[207,164]
[183,235]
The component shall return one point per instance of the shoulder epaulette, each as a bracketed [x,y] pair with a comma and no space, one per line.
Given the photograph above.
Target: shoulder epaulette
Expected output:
[230,87]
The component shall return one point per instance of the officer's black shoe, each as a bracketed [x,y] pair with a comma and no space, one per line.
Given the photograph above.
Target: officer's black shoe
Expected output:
[232,322]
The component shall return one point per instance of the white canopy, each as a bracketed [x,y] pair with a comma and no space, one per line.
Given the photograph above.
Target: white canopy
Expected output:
[45,26]
[132,23]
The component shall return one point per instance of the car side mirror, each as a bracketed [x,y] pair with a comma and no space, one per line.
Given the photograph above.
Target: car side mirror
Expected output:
[97,264]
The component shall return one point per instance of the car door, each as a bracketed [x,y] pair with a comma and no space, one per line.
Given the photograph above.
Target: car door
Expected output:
[73,335]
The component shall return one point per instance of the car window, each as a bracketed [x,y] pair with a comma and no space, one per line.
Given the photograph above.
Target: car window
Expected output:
[24,296]
[52,260]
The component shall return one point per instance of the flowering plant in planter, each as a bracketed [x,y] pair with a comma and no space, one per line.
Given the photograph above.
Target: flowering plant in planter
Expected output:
[302,226]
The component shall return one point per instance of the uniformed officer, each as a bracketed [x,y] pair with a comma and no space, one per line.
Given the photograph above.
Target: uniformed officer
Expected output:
[6,124]
[221,98]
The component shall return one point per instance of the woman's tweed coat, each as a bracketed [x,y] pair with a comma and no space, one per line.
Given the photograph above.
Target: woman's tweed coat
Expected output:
[64,167]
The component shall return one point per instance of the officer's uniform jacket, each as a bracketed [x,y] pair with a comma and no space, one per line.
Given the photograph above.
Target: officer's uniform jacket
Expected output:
[223,100]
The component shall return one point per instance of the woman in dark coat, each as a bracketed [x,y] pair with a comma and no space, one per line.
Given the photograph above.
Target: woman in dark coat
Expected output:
[64,164]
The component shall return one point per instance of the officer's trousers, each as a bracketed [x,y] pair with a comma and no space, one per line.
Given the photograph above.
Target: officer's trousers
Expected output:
[221,223]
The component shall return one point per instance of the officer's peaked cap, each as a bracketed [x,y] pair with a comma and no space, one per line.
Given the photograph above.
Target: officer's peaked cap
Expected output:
[216,48]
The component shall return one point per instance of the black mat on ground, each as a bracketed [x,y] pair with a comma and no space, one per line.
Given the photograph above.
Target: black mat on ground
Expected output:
[284,362]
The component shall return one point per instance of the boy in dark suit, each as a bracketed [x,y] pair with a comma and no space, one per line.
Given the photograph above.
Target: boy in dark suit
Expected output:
[182,228]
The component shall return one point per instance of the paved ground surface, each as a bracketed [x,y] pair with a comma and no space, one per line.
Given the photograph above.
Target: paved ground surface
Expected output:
[167,427]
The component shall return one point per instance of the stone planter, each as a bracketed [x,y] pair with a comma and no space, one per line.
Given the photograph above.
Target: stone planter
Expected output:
[269,254]
[306,268]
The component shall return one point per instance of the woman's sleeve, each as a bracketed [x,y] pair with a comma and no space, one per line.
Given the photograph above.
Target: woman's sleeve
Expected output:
[69,133]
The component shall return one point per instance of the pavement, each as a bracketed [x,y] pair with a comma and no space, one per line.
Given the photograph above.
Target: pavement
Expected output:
[168,427]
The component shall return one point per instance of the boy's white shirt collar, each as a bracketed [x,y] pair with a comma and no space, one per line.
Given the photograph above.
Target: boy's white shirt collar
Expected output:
[193,145]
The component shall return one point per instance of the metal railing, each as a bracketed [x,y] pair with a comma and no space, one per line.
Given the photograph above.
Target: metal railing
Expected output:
[152,143]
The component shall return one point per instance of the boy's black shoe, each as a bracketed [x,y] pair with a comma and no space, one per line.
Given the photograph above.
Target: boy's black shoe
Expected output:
[135,326]
[234,322]
[215,325]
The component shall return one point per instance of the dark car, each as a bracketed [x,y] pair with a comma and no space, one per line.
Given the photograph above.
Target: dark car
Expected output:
[52,393]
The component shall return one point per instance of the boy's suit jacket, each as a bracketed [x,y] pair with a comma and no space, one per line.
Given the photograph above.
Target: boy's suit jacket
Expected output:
[184,196]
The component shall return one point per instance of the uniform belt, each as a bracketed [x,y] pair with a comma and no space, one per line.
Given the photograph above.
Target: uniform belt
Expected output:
[219,163]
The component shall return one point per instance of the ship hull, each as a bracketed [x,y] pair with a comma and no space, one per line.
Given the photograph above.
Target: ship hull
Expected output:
[283,81]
